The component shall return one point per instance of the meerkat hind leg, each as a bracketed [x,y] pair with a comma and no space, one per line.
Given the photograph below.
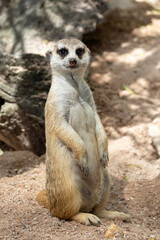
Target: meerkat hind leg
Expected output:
[100,210]
[103,213]
[86,219]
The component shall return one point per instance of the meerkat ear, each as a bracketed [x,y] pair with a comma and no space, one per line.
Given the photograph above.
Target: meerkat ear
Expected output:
[88,50]
[48,54]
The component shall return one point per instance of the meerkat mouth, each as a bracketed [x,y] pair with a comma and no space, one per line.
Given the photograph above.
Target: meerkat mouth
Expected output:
[69,66]
[72,67]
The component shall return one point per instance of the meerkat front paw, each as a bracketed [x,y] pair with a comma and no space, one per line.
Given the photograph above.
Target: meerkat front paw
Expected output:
[83,163]
[104,159]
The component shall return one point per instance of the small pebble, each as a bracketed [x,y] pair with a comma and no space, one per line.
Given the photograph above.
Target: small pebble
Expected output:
[113,229]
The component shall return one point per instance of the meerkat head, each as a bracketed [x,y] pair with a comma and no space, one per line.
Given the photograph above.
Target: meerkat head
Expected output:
[69,55]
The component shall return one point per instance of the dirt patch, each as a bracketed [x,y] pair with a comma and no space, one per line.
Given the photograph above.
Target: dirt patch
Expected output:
[125,81]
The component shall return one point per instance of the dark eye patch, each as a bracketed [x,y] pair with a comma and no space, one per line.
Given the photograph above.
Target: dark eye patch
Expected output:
[80,52]
[62,52]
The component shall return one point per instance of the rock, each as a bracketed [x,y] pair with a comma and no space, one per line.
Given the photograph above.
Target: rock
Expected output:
[113,230]
[29,26]
[121,4]
[154,133]
[24,84]
[153,3]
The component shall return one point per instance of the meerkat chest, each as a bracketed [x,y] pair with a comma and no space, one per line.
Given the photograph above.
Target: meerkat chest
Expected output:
[82,96]
[81,115]
[75,101]
[77,97]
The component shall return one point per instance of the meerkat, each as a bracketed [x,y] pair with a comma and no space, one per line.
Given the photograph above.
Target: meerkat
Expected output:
[77,180]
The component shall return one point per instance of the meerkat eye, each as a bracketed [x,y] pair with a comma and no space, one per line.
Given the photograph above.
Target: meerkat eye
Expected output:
[63,52]
[80,52]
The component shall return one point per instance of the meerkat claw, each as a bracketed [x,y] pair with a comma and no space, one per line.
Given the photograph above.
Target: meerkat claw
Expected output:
[104,159]
[84,169]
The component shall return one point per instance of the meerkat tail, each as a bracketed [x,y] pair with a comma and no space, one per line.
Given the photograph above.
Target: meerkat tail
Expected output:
[42,199]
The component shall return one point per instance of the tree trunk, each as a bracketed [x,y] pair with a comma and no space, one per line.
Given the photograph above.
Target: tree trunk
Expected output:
[24,85]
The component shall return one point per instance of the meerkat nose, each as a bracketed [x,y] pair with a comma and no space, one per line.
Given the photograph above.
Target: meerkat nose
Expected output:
[72,61]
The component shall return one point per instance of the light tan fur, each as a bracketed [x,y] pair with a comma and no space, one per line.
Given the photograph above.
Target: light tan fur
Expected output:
[77,181]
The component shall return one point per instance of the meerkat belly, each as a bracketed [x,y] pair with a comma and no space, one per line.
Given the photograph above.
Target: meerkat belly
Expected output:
[82,119]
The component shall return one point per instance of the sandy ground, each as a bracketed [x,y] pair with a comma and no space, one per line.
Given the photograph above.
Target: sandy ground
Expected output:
[125,80]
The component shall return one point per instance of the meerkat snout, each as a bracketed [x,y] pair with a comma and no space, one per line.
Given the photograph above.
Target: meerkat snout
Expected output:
[72,62]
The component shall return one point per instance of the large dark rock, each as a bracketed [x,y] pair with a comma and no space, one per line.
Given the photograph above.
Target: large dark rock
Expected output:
[24,84]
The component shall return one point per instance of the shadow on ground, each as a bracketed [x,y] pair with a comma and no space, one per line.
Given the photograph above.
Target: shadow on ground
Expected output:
[18,162]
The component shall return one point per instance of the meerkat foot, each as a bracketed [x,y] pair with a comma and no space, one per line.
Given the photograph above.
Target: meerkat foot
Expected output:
[111,214]
[86,219]
[42,199]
